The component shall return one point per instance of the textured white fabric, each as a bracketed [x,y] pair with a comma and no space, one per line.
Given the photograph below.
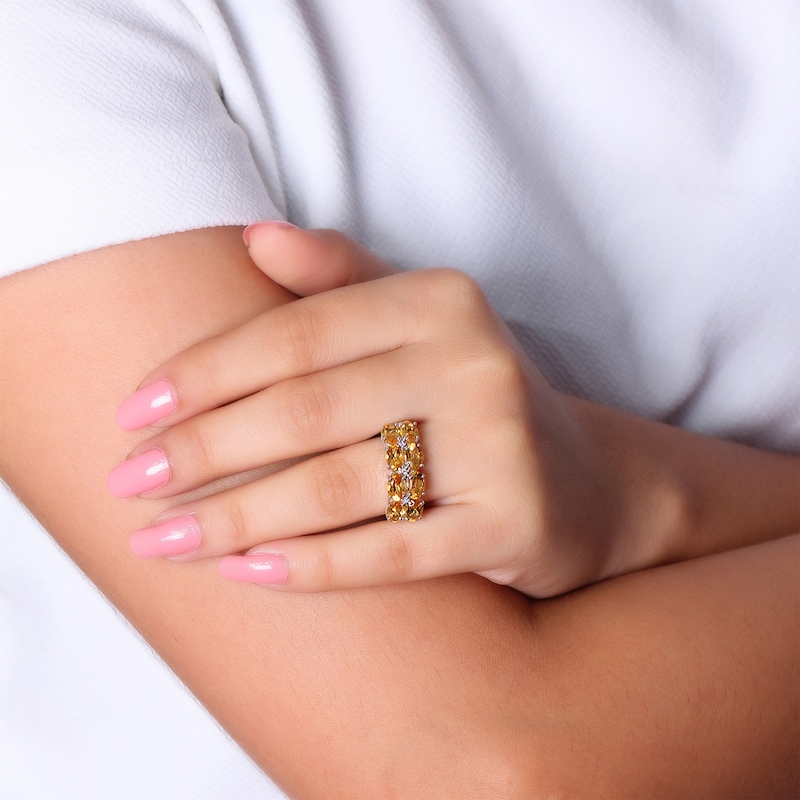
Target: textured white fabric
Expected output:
[113,128]
[623,179]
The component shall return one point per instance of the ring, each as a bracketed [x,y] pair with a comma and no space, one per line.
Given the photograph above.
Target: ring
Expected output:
[406,485]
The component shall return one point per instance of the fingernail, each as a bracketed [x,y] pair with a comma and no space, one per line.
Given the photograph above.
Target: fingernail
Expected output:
[142,473]
[264,568]
[150,404]
[275,223]
[172,537]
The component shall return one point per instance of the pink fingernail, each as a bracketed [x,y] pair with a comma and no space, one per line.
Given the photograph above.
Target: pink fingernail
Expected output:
[172,537]
[264,568]
[275,223]
[142,473]
[150,404]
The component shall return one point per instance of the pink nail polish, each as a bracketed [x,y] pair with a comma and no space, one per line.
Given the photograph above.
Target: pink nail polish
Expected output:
[142,473]
[263,568]
[275,223]
[150,404]
[172,537]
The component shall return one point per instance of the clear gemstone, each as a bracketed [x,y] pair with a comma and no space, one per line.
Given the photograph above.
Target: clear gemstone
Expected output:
[406,470]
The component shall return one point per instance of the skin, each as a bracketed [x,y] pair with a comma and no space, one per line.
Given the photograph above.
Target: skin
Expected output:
[569,492]
[678,681]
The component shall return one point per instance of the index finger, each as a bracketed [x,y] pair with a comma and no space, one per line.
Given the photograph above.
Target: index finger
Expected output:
[303,337]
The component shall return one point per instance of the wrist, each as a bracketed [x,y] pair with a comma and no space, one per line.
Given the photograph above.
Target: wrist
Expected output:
[677,495]
[648,503]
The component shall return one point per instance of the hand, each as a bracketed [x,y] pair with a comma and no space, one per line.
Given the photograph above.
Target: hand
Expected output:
[516,489]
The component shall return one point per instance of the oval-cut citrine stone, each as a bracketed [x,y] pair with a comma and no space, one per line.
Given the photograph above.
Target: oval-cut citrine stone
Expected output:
[390,434]
[395,457]
[404,508]
[400,434]
[414,456]
[394,511]
[401,485]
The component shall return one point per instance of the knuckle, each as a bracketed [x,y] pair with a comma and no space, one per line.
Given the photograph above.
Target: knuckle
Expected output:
[333,489]
[396,555]
[237,526]
[305,412]
[451,300]
[297,342]
[340,252]
[324,570]
[492,378]
[200,370]
[498,378]
[506,371]
[512,573]
[199,449]
[458,289]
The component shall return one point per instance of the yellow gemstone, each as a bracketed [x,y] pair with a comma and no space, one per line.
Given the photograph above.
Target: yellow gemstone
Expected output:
[404,508]
[390,435]
[399,484]
[409,430]
[400,434]
[406,485]
[395,457]
[394,511]
[414,456]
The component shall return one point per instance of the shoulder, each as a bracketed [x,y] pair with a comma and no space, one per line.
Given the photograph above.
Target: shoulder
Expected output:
[114,129]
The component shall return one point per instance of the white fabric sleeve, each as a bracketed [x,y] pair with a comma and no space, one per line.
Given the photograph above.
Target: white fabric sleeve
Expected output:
[113,129]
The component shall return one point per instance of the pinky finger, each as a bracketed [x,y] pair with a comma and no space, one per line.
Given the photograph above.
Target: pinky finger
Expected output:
[445,542]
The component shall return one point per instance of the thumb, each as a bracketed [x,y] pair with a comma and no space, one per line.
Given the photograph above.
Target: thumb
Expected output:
[309,262]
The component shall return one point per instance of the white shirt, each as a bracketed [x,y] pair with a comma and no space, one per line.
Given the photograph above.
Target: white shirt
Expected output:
[623,179]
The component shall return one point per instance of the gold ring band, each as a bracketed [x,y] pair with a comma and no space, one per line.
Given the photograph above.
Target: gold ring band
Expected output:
[406,485]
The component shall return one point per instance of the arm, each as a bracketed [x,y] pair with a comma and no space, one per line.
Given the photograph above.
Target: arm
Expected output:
[447,688]
[300,682]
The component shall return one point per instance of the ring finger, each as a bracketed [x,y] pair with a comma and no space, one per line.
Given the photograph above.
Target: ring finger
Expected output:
[336,489]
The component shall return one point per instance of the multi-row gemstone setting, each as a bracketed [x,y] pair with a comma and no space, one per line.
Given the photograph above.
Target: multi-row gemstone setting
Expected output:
[406,484]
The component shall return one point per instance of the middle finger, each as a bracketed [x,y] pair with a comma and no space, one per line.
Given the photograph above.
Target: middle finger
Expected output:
[297,417]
